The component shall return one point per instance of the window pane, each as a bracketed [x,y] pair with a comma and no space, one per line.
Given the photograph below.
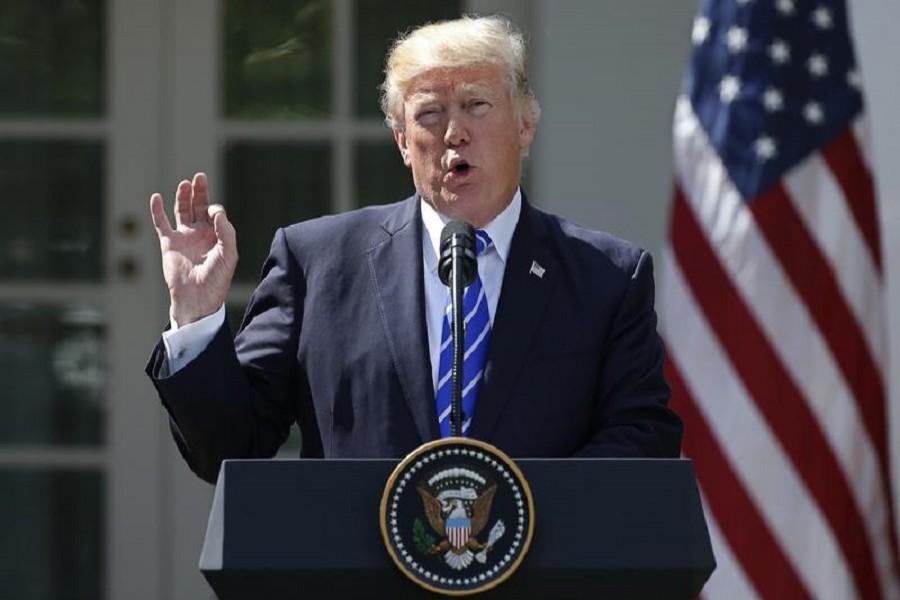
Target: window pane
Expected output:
[52,57]
[376,24]
[277,58]
[381,176]
[51,534]
[270,185]
[54,210]
[52,365]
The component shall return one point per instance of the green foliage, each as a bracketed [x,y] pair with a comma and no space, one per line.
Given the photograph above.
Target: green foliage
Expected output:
[423,541]
[53,57]
[277,61]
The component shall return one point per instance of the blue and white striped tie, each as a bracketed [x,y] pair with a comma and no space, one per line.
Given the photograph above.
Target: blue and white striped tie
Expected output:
[478,337]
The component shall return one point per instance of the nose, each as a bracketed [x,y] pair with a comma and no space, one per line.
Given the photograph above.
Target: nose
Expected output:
[457,133]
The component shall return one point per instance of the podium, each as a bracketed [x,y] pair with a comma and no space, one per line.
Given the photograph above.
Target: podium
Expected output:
[604,528]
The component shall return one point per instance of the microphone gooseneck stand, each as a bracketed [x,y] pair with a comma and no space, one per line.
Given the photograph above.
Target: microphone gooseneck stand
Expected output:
[457,416]
[457,267]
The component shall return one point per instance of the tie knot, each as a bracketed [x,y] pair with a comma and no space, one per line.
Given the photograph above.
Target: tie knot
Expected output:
[482,241]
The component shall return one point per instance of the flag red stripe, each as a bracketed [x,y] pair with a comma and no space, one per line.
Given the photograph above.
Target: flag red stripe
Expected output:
[844,159]
[774,393]
[748,535]
[814,280]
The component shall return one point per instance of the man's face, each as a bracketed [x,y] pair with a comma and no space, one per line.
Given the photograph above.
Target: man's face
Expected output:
[463,140]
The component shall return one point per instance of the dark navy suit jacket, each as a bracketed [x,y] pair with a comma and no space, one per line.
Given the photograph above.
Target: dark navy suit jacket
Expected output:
[334,338]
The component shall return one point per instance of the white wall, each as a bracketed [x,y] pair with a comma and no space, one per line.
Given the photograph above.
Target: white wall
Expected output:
[874,25]
[607,73]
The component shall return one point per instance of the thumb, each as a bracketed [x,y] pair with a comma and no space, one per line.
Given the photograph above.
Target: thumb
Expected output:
[225,232]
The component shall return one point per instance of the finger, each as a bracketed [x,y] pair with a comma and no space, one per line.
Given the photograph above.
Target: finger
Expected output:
[158,214]
[200,200]
[225,232]
[183,214]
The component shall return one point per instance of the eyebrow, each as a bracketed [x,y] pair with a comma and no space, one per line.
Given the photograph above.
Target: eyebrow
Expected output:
[473,89]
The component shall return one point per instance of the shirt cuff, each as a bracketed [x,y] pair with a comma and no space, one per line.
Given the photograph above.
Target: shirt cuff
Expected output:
[183,344]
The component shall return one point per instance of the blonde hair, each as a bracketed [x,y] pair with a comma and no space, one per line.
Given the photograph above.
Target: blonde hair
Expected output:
[458,43]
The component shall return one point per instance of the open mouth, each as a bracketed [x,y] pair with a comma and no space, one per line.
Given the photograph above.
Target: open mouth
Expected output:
[459,168]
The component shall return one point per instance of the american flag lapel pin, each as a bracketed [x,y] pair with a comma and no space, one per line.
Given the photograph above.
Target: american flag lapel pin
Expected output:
[537,270]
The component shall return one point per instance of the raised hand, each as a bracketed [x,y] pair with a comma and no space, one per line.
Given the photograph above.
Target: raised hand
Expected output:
[199,255]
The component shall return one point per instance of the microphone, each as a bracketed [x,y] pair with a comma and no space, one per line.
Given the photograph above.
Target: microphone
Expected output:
[457,239]
[457,267]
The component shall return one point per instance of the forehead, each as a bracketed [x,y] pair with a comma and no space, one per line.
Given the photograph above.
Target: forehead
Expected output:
[482,79]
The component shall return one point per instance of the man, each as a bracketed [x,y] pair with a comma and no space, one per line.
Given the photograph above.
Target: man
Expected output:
[344,333]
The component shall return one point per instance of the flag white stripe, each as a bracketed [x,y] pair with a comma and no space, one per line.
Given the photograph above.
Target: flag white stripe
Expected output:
[783,317]
[862,132]
[728,580]
[748,444]
[819,200]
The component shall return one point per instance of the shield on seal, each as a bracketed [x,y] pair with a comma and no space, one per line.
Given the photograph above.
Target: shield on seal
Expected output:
[458,530]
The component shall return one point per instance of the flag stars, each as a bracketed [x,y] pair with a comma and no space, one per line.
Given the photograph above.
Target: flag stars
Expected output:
[773,99]
[821,17]
[729,88]
[765,148]
[736,39]
[813,113]
[817,65]
[700,32]
[780,52]
[785,7]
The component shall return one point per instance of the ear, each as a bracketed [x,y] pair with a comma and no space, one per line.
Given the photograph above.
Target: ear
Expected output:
[526,134]
[400,138]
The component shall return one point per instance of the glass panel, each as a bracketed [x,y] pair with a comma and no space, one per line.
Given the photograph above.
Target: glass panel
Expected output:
[53,210]
[51,534]
[277,58]
[52,365]
[270,185]
[381,176]
[52,57]
[376,24]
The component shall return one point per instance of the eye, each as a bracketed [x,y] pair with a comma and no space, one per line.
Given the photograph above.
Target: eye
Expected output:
[478,106]
[428,115]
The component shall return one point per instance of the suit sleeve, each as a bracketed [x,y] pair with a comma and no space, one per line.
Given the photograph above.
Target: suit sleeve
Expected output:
[631,415]
[236,398]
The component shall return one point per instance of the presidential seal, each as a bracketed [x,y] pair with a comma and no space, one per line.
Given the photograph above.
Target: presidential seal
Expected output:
[457,516]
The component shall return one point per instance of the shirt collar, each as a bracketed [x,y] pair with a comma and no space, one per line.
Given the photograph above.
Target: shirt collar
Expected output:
[501,229]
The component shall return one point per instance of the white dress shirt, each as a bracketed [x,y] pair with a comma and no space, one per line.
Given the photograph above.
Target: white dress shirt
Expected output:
[491,266]
[183,344]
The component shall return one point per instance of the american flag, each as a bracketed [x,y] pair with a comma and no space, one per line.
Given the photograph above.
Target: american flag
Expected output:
[772,305]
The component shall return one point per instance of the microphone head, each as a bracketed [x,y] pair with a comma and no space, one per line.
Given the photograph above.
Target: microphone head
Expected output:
[458,236]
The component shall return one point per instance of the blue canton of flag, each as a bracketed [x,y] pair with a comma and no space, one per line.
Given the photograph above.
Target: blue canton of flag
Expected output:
[771,81]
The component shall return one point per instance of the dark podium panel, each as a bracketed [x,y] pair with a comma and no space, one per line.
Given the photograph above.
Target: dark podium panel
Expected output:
[604,528]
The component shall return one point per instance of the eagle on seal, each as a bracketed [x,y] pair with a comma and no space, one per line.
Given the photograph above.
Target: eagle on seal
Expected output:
[451,520]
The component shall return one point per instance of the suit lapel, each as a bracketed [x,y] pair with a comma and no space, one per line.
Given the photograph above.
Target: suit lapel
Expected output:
[396,265]
[524,298]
